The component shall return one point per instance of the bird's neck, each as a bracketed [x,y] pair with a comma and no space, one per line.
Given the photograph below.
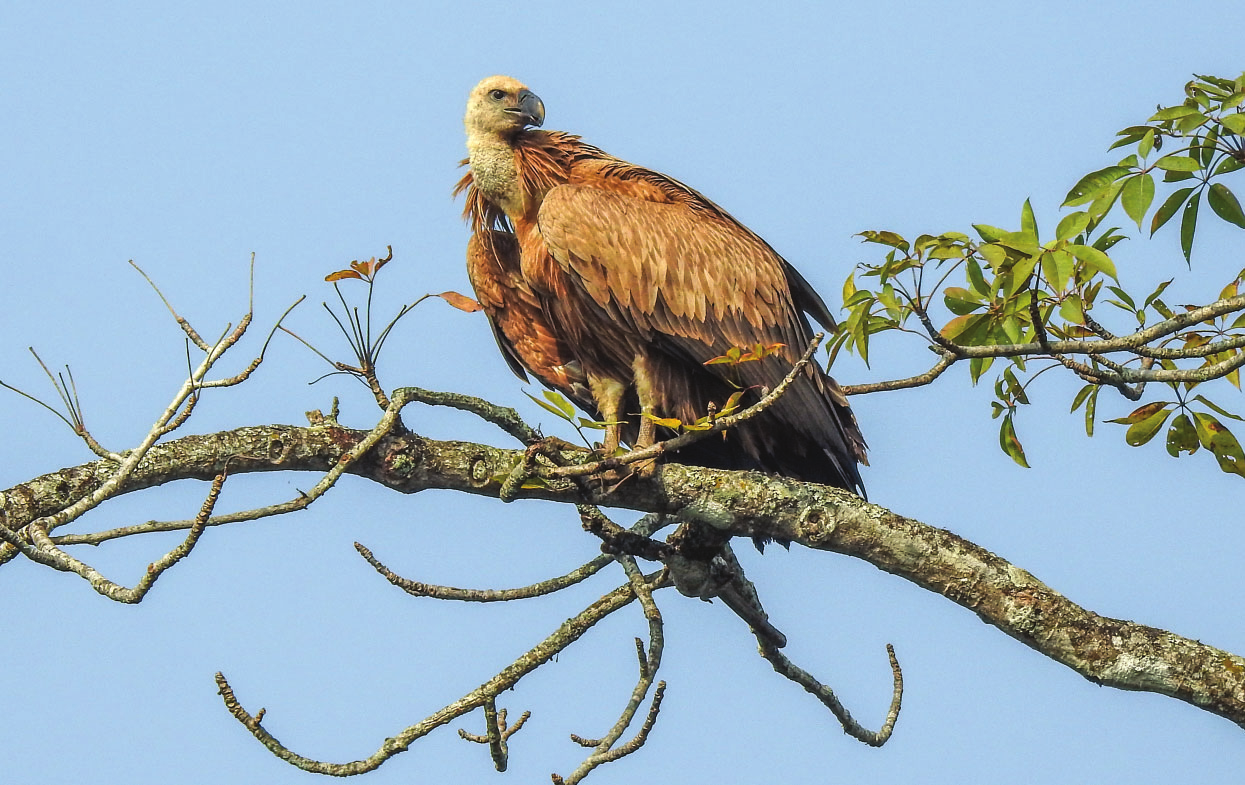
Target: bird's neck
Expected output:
[495,172]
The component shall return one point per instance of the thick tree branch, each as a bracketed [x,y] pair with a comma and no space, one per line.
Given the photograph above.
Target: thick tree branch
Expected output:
[1113,652]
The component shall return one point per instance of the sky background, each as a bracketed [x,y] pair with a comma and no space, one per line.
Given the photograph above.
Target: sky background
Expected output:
[186,137]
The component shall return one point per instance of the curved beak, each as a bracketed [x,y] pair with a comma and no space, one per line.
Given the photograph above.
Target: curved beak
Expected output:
[530,108]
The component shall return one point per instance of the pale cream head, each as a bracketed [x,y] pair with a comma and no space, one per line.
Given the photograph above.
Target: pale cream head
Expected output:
[501,106]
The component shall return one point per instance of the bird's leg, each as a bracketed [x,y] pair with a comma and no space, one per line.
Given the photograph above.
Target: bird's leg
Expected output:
[648,429]
[608,394]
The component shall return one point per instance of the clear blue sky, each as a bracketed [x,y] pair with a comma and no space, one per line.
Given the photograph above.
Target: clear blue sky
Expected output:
[313,134]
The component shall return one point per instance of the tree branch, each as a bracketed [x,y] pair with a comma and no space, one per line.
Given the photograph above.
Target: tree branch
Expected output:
[1113,652]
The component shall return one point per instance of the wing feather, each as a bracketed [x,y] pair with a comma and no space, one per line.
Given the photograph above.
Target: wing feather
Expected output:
[694,283]
[523,333]
[679,273]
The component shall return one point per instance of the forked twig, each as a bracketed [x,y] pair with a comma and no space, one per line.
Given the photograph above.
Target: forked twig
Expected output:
[497,734]
[569,632]
[607,749]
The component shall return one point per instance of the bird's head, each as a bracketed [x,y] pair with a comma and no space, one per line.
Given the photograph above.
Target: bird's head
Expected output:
[502,106]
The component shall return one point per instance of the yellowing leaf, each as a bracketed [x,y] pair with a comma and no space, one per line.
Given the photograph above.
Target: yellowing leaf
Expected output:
[461,301]
[668,422]
[1143,431]
[341,275]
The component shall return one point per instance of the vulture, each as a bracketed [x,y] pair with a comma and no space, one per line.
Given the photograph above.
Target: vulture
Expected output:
[615,285]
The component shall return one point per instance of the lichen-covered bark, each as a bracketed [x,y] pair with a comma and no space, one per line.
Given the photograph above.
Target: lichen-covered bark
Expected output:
[1112,652]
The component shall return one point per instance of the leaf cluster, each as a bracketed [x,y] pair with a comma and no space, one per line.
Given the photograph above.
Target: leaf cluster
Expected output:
[1027,299]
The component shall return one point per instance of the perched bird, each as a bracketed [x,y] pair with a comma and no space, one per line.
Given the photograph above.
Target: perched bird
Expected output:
[615,284]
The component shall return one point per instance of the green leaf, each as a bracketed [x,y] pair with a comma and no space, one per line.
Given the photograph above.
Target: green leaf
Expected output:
[1205,401]
[1169,208]
[975,277]
[1225,205]
[990,234]
[1215,437]
[1142,413]
[1093,259]
[1137,195]
[1072,310]
[1234,122]
[1176,177]
[1018,276]
[946,252]
[1009,442]
[885,238]
[993,253]
[1108,238]
[1147,143]
[1105,200]
[666,422]
[978,366]
[1190,122]
[1072,225]
[1177,163]
[1081,395]
[1057,267]
[1173,113]
[1123,295]
[1188,225]
[1021,243]
[1091,405]
[557,410]
[1206,148]
[557,400]
[1091,184]
[1181,436]
[1028,224]
[1229,164]
[1141,432]
[1158,291]
[961,301]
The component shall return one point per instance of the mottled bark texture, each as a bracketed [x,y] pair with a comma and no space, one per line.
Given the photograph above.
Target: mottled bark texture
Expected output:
[1112,652]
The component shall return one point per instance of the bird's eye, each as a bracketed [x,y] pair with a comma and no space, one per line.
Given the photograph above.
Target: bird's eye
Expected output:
[497,95]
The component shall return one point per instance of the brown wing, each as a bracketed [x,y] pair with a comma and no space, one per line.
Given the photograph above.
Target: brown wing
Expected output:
[687,282]
[519,324]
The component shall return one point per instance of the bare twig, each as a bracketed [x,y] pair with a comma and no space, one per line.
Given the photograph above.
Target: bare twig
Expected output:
[502,416]
[185,325]
[496,733]
[821,692]
[570,631]
[945,360]
[642,528]
[604,749]
[115,591]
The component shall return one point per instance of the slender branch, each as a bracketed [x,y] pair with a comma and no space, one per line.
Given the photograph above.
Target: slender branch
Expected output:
[821,692]
[115,591]
[642,528]
[194,337]
[1127,343]
[569,632]
[1111,652]
[945,361]
[604,749]
[502,416]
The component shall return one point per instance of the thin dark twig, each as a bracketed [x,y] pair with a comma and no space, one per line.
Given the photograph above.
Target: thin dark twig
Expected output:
[786,668]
